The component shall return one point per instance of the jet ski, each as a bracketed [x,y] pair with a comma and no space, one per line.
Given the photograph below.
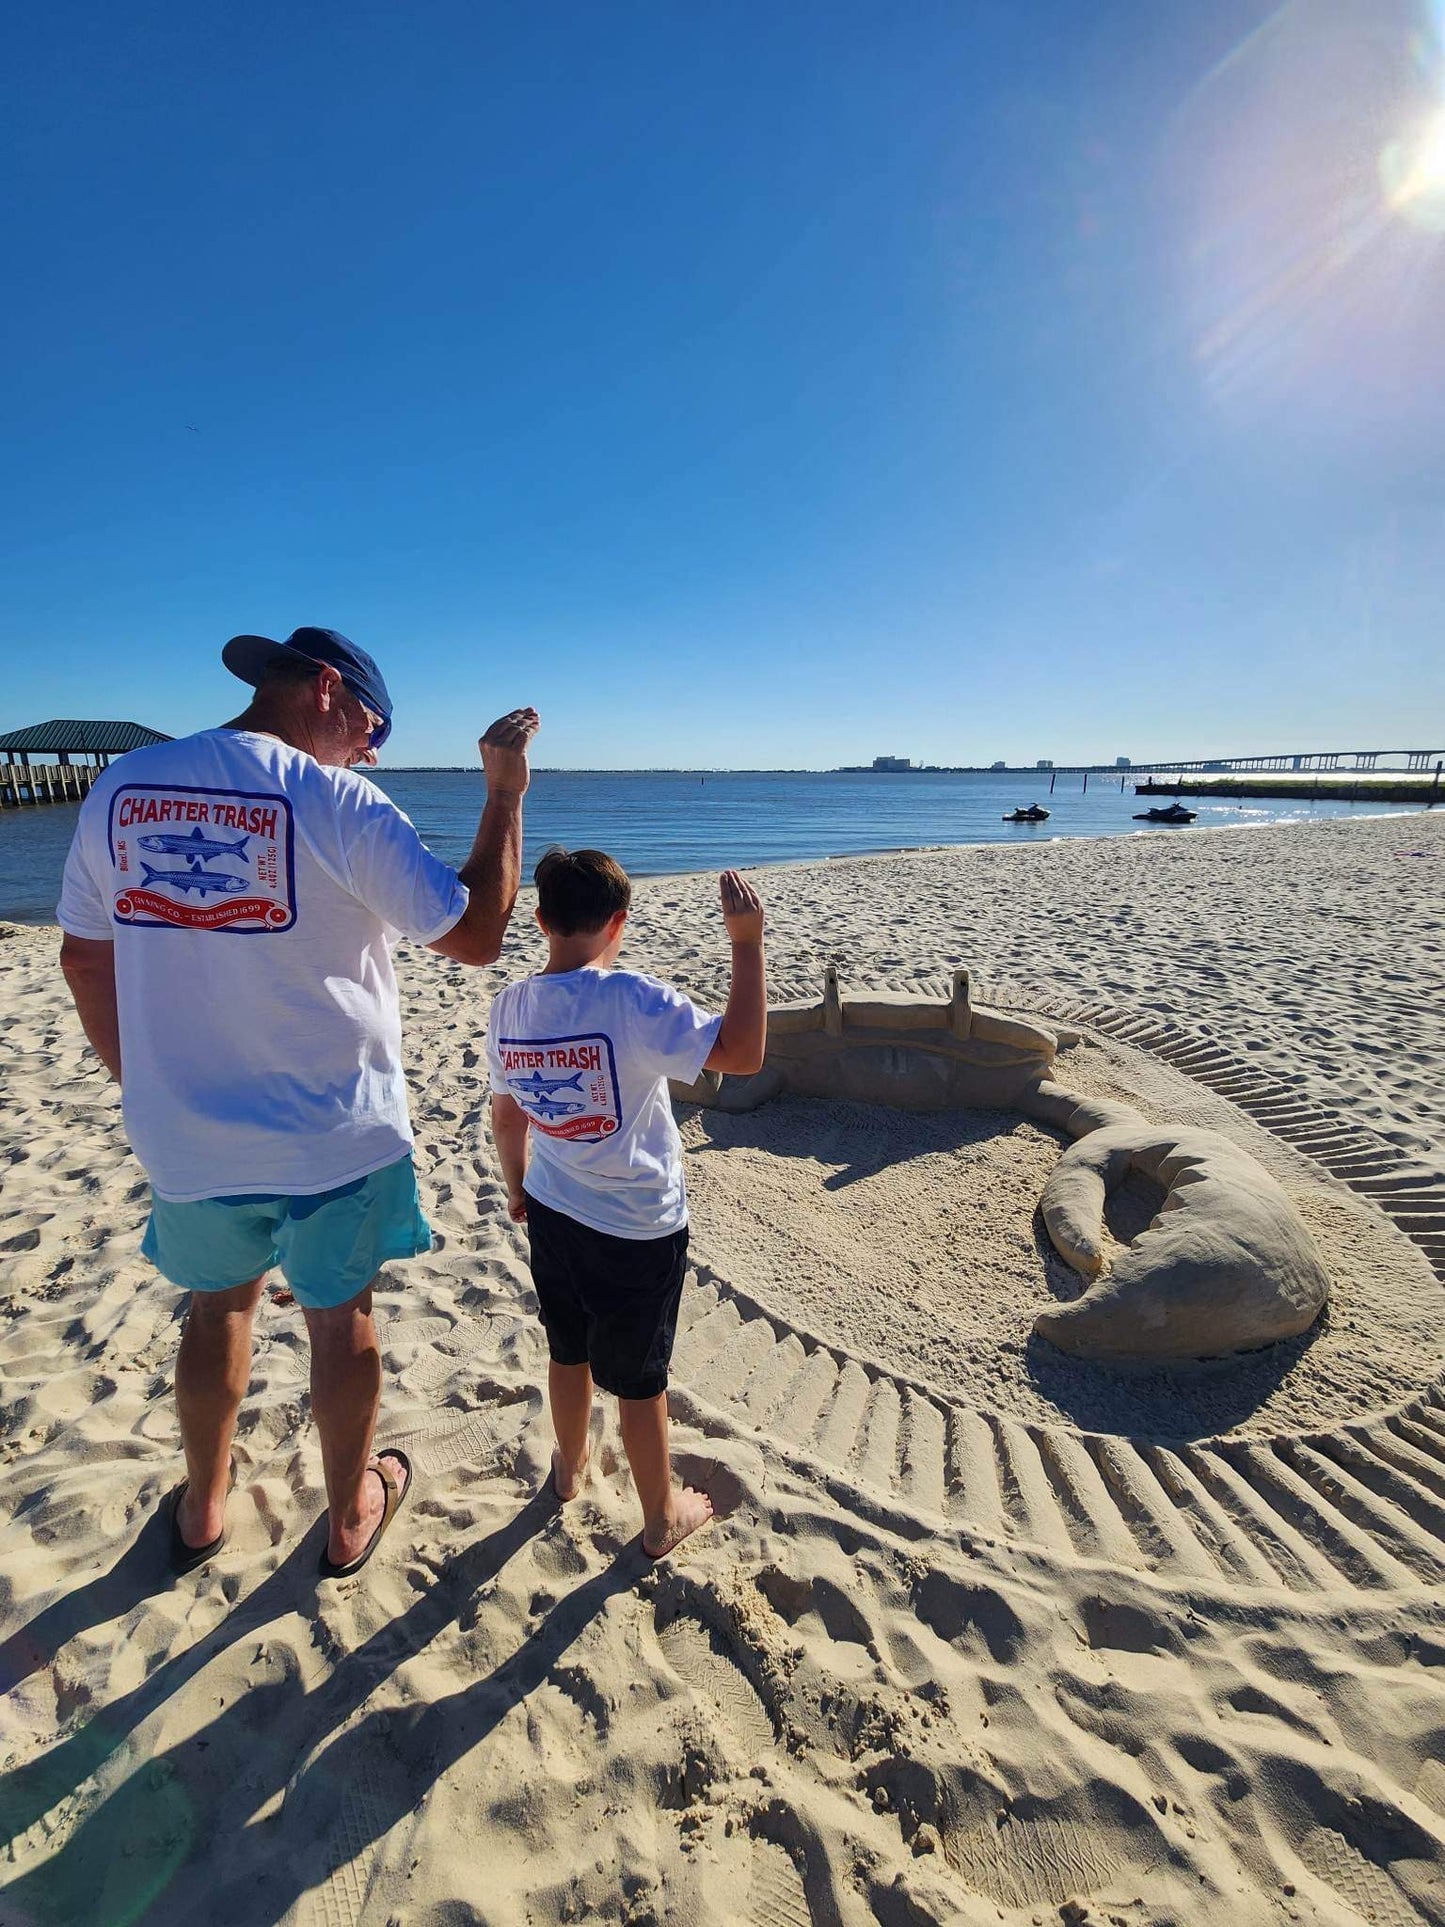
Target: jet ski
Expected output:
[1175,813]
[1033,814]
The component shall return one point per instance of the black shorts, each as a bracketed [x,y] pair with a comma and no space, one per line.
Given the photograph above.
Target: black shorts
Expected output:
[607,1302]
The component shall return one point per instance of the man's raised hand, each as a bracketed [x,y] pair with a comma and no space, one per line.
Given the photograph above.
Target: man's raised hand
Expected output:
[504,751]
[742,908]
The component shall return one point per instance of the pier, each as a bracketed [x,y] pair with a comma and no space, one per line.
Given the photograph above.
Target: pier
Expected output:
[1333,789]
[81,750]
[45,783]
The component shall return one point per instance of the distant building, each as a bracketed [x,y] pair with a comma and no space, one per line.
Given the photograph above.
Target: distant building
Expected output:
[1044,762]
[1000,764]
[892,762]
[1122,762]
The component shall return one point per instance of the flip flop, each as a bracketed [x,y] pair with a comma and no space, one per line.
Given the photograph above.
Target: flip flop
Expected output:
[395,1498]
[184,1557]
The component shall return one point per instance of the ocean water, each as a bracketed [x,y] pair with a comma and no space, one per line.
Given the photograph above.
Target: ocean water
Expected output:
[664,822]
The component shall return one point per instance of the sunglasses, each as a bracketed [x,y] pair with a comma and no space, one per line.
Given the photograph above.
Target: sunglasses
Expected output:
[380,726]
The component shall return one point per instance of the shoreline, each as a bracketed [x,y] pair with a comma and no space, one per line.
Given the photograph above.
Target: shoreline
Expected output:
[1043,841]
[1021,844]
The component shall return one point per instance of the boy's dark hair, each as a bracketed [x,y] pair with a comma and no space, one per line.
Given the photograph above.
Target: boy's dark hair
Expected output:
[579,891]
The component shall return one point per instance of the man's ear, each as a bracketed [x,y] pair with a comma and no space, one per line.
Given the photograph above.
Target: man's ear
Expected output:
[325,688]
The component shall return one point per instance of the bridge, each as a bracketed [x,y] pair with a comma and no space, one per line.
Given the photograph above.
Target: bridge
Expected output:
[1337,775]
[1340,775]
[1304,761]
[1290,761]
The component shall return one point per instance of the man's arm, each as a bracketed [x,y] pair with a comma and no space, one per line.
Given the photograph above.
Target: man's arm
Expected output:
[493,871]
[509,1129]
[89,969]
[743,1038]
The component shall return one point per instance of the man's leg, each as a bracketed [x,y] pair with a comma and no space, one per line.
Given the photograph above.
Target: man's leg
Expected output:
[345,1400]
[213,1368]
[569,1391]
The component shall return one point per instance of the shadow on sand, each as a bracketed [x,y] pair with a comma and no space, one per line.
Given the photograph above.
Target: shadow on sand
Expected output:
[118,1863]
[861,1140]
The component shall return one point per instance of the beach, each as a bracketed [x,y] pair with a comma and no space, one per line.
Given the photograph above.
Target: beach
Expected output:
[979,1634]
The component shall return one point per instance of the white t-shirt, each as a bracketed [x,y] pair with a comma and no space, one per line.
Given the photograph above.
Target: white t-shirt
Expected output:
[587,1055]
[253,896]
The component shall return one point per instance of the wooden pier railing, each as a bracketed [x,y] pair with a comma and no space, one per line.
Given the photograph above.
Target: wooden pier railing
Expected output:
[44,783]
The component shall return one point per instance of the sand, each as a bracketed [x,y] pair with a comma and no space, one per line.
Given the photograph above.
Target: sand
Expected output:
[981,1633]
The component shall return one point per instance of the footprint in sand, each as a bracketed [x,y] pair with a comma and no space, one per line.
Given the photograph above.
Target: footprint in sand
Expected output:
[1359,1882]
[776,1894]
[1430,1786]
[1033,1862]
[349,1848]
[702,1659]
[452,1438]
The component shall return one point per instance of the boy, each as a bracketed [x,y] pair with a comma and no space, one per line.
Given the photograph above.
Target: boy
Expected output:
[580,1055]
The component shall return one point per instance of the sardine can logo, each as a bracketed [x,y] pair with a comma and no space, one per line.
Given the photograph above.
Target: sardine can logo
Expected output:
[198,859]
[566,1085]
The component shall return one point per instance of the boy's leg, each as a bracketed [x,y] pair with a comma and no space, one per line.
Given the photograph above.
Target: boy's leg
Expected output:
[569,1391]
[552,1236]
[635,1286]
[669,1513]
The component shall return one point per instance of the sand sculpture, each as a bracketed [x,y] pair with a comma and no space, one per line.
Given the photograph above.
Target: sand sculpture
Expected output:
[1226,1265]
[915,1053]
[1227,1258]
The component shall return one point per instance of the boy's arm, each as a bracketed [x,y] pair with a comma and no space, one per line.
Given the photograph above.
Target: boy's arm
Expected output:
[509,1129]
[744,1035]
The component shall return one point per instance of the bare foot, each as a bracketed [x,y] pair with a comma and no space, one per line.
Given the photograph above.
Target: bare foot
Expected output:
[690,1510]
[568,1481]
[351,1541]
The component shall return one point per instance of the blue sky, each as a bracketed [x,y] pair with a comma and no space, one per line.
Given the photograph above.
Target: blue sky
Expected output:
[744,385]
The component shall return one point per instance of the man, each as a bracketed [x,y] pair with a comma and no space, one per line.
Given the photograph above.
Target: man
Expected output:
[229,906]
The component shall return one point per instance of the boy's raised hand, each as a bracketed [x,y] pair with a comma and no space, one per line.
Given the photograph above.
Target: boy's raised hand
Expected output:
[742,908]
[742,1038]
[504,751]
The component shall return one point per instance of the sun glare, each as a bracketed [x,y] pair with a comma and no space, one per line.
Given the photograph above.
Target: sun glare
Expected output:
[1414,175]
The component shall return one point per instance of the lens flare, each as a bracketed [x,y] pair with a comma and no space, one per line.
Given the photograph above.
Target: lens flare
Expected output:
[1413,175]
[1308,173]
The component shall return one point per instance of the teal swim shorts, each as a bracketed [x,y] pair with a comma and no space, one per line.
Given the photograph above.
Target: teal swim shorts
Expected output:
[330,1245]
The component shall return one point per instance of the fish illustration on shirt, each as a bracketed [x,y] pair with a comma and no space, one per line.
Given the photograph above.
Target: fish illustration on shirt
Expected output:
[196,845]
[221,881]
[541,1094]
[538,1086]
[548,1108]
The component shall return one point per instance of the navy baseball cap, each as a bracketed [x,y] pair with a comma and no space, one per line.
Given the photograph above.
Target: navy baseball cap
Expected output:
[250,656]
